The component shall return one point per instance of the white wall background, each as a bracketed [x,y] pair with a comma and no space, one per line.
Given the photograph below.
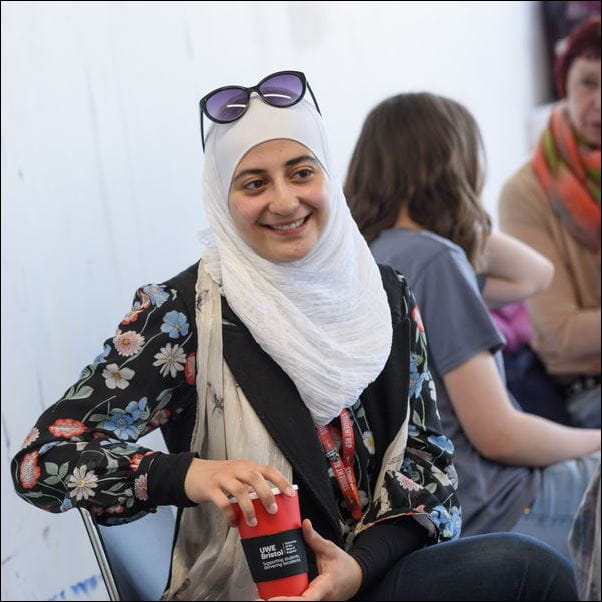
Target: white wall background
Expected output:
[101,170]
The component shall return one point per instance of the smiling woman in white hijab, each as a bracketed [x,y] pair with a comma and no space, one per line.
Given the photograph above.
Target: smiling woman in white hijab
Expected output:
[325,306]
[284,342]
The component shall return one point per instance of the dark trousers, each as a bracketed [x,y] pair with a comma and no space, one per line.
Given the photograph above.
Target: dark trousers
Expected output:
[498,566]
[532,386]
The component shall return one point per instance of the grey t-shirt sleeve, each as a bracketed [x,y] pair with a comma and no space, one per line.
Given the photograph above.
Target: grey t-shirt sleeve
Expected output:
[457,322]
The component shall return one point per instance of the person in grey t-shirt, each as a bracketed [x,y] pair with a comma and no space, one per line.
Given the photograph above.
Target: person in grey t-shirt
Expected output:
[413,187]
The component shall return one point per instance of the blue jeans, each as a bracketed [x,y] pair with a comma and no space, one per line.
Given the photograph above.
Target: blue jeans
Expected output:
[497,566]
[550,516]
[584,408]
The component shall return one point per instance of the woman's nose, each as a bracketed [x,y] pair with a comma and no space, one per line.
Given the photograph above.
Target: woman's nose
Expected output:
[284,200]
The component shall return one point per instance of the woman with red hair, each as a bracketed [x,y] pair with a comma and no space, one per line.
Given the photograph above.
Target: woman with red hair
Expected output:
[553,204]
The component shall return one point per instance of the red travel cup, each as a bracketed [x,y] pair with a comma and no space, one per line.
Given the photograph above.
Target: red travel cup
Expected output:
[274,548]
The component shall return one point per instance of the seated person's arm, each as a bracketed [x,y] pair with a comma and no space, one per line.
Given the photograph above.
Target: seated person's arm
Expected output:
[514,271]
[503,433]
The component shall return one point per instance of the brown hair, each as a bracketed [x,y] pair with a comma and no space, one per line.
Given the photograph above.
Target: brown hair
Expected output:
[422,152]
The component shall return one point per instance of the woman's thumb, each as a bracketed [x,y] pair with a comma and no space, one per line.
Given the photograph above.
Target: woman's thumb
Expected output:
[313,539]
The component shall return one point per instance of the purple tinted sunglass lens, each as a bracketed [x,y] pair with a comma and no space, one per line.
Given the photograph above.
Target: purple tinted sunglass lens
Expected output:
[227,105]
[282,90]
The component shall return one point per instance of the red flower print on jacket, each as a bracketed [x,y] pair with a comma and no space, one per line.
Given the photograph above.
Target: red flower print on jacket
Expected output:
[136,459]
[417,318]
[116,509]
[138,308]
[67,428]
[159,418]
[29,471]
[190,368]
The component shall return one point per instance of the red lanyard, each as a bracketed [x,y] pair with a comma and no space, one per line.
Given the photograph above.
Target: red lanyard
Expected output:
[343,469]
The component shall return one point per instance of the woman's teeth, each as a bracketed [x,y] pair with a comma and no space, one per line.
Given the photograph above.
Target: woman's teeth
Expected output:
[296,224]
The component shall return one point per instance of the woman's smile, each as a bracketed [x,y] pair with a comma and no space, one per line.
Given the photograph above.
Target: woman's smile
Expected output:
[293,228]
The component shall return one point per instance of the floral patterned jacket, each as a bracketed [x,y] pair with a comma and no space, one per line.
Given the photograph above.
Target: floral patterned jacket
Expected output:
[84,450]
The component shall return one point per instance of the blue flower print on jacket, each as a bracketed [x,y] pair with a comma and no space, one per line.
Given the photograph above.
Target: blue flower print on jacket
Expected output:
[416,379]
[136,408]
[449,523]
[413,431]
[67,504]
[101,358]
[156,294]
[123,423]
[175,324]
[442,442]
[407,466]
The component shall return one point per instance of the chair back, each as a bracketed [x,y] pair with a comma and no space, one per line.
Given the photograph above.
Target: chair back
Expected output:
[133,558]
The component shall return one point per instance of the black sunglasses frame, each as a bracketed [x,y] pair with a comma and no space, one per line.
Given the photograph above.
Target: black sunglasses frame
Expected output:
[249,91]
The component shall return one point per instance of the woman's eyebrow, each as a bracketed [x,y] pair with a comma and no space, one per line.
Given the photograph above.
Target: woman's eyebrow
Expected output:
[256,171]
[300,159]
[249,172]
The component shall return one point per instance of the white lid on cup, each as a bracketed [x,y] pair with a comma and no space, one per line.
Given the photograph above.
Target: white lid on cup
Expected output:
[254,496]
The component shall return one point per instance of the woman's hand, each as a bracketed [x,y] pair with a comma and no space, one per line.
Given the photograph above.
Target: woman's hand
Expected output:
[214,480]
[340,575]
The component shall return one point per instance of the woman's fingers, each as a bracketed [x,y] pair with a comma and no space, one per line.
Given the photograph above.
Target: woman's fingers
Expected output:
[213,480]
[278,479]
[318,589]
[315,541]
[257,476]
[223,503]
[240,491]
[263,491]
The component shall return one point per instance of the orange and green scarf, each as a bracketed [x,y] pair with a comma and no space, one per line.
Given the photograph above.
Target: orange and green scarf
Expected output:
[569,172]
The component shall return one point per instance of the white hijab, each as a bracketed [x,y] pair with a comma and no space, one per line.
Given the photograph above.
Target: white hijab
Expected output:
[324,319]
